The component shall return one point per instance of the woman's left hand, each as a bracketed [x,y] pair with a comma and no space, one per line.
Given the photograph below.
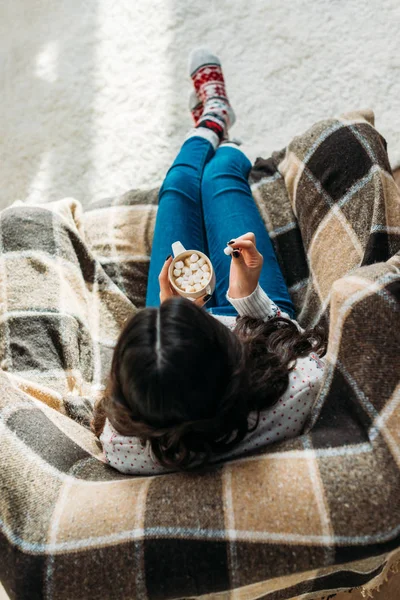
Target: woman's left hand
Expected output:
[166,290]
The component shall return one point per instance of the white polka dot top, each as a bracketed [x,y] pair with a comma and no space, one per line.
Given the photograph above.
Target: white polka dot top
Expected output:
[284,420]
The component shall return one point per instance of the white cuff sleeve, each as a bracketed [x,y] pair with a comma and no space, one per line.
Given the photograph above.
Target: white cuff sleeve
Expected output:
[257,305]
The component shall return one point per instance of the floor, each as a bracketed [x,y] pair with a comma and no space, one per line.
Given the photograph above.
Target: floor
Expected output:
[97,105]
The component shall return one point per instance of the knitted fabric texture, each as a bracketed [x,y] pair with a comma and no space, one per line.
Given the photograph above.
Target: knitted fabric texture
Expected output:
[311,516]
[209,85]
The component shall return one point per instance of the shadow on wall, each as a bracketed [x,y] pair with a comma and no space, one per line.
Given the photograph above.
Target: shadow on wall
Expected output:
[48,48]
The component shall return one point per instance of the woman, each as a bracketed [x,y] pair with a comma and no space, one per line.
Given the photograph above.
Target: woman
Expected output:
[191,385]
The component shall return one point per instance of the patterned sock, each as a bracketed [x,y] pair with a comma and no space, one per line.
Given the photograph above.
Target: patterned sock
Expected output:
[196,107]
[209,84]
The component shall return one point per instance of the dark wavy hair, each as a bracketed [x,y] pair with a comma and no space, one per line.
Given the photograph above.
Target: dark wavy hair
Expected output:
[184,382]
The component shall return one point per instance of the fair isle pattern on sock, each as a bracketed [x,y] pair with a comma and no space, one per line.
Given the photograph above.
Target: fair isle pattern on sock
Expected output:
[197,112]
[217,116]
[213,122]
[196,107]
[207,116]
[208,81]
[209,84]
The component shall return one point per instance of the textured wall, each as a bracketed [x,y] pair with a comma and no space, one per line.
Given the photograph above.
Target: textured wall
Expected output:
[94,92]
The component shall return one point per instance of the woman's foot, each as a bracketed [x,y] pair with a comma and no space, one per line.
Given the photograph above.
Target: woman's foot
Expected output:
[196,107]
[209,85]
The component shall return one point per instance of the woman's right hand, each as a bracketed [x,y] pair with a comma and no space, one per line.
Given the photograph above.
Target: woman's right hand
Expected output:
[245,270]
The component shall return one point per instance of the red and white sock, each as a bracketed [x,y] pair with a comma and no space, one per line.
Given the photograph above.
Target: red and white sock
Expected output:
[209,84]
[196,107]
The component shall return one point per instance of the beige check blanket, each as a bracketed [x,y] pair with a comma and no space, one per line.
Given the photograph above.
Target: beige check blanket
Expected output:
[306,518]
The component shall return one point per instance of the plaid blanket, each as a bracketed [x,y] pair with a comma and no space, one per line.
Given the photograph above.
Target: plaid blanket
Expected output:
[305,518]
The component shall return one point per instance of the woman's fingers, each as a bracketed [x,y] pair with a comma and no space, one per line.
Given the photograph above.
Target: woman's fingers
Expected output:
[165,288]
[163,276]
[246,236]
[245,270]
[248,251]
[250,236]
[245,244]
[247,240]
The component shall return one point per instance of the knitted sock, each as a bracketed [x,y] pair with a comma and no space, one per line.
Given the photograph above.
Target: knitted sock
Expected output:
[209,84]
[206,133]
[196,107]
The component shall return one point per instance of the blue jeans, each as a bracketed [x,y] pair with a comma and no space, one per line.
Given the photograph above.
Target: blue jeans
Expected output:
[205,201]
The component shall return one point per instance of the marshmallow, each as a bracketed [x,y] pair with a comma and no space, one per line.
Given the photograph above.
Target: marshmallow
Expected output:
[228,250]
[193,274]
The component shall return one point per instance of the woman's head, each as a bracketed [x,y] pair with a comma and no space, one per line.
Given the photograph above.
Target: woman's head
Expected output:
[179,379]
[186,383]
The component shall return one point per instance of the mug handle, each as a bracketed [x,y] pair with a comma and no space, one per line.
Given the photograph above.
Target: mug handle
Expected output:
[177,248]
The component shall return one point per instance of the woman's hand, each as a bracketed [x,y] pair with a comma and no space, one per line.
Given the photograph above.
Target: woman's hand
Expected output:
[166,290]
[245,270]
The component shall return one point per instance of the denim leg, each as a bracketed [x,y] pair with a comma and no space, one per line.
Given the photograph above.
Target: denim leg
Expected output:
[229,211]
[179,213]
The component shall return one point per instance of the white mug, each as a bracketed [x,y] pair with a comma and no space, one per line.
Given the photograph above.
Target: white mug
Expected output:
[180,253]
